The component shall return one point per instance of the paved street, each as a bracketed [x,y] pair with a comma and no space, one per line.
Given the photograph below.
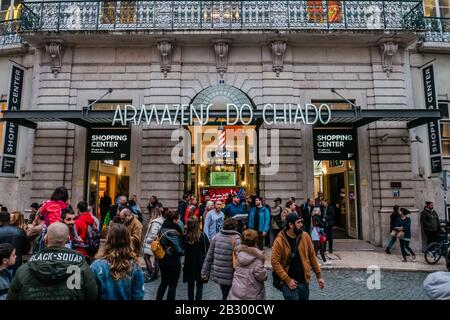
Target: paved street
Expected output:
[340,284]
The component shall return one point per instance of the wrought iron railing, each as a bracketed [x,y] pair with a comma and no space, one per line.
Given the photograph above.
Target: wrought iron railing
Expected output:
[437,29]
[9,32]
[222,15]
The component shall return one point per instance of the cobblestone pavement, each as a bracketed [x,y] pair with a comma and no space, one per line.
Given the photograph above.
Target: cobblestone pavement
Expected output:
[340,284]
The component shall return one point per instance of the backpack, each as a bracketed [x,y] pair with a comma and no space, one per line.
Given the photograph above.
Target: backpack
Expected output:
[158,251]
[93,235]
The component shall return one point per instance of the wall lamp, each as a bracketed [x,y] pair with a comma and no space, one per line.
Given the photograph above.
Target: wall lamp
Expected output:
[384,137]
[406,139]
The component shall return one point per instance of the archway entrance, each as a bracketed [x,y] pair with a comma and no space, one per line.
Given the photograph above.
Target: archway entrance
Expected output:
[224,157]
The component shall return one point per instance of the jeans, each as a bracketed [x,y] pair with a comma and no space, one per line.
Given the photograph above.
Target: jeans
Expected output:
[320,247]
[261,241]
[329,234]
[432,236]
[391,242]
[300,293]
[169,278]
[199,293]
[404,245]
[225,291]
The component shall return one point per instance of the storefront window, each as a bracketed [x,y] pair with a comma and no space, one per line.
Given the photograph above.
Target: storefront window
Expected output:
[445,129]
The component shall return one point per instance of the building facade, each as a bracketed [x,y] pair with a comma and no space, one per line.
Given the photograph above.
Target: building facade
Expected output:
[350,56]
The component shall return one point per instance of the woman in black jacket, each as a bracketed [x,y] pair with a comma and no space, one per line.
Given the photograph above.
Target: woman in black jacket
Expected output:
[196,246]
[172,242]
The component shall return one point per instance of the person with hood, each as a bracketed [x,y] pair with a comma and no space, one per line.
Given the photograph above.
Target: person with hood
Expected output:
[250,273]
[430,222]
[293,257]
[50,274]
[259,220]
[134,227]
[117,272]
[50,211]
[15,236]
[7,259]
[172,242]
[393,220]
[152,233]
[219,259]
[196,246]
[437,284]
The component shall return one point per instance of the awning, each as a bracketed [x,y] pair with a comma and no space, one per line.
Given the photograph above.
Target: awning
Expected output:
[348,118]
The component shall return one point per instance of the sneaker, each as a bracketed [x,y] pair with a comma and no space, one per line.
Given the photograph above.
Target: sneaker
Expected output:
[404,260]
[148,278]
[327,263]
[413,258]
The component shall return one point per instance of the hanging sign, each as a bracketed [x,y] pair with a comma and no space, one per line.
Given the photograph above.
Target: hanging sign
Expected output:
[334,144]
[108,144]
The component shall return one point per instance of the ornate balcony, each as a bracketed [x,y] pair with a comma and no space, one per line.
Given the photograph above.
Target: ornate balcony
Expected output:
[437,29]
[9,33]
[221,15]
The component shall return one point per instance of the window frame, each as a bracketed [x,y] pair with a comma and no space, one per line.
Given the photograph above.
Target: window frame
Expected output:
[443,122]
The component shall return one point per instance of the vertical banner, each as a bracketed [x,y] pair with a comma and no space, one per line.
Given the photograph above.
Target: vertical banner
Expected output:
[431,103]
[11,129]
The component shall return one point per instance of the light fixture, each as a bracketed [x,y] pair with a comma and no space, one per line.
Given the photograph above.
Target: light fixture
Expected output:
[406,139]
[243,183]
[384,137]
[119,170]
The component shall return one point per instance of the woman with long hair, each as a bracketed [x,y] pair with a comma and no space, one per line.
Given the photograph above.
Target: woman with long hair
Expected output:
[152,233]
[117,273]
[17,219]
[196,246]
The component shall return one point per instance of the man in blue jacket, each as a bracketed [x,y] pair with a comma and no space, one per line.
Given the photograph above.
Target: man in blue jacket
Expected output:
[233,209]
[259,220]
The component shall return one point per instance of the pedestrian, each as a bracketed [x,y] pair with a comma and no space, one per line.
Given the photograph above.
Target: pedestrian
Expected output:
[182,205]
[82,221]
[249,204]
[208,207]
[135,208]
[236,209]
[50,211]
[153,204]
[259,220]
[192,210]
[275,219]
[329,217]
[34,207]
[105,205]
[318,202]
[117,272]
[68,218]
[214,220]
[203,209]
[288,208]
[219,260]
[316,233]
[170,265]
[293,256]
[393,220]
[152,233]
[403,233]
[305,211]
[17,219]
[15,236]
[296,206]
[250,273]
[45,275]
[196,246]
[134,227]
[7,259]
[430,222]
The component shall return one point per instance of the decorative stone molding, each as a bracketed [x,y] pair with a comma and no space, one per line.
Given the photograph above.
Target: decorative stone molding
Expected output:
[388,48]
[278,50]
[55,50]
[165,47]
[221,50]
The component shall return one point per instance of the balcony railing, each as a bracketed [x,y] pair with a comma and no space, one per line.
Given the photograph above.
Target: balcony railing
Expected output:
[437,29]
[9,32]
[222,15]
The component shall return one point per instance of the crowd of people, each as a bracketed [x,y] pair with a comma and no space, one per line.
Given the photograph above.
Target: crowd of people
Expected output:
[197,242]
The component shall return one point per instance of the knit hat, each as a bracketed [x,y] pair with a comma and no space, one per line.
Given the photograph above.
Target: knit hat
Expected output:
[427,203]
[291,218]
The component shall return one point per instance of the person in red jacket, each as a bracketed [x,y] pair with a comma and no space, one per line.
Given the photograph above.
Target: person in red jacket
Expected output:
[192,210]
[50,211]
[83,219]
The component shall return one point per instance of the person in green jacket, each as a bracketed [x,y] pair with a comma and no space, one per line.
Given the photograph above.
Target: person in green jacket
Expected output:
[430,222]
[55,273]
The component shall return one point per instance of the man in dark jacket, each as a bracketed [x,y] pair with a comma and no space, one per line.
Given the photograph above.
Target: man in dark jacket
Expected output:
[105,204]
[55,273]
[306,210]
[393,219]
[329,216]
[182,205]
[430,222]
[14,235]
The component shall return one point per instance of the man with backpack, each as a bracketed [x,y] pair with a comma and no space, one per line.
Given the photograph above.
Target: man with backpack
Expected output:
[88,231]
[293,256]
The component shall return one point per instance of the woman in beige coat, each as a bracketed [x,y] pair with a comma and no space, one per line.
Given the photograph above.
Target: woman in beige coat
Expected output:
[250,273]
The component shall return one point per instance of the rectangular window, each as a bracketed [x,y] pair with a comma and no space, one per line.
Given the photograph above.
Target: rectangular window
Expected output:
[3,107]
[445,128]
[430,8]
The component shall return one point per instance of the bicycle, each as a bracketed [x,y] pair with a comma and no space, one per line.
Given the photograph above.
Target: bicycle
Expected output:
[436,250]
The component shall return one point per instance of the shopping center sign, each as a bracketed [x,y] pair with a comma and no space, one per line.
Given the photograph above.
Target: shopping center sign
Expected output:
[107,144]
[334,144]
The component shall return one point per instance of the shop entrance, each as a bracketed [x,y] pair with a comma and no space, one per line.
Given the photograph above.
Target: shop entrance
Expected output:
[223,168]
[336,180]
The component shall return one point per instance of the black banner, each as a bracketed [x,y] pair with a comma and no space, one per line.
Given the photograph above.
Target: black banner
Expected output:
[11,129]
[431,103]
[109,144]
[334,144]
